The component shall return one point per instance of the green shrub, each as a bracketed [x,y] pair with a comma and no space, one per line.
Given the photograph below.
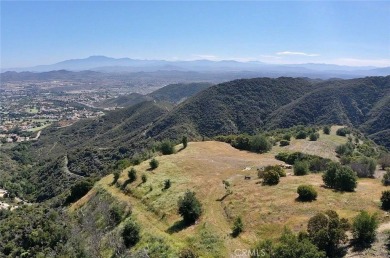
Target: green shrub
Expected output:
[327,231]
[132,174]
[345,149]
[167,184]
[260,144]
[287,137]
[301,135]
[343,131]
[276,168]
[184,141]
[326,130]
[257,143]
[144,178]
[289,245]
[78,190]
[271,177]
[116,176]
[284,143]
[189,207]
[131,233]
[364,228]
[116,214]
[385,199]
[306,193]
[238,227]
[301,168]
[386,178]
[154,163]
[167,147]
[314,136]
[340,177]
[317,164]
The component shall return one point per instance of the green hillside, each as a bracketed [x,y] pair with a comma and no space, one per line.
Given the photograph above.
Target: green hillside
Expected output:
[260,104]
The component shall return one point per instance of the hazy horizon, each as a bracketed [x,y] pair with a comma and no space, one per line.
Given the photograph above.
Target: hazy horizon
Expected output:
[326,32]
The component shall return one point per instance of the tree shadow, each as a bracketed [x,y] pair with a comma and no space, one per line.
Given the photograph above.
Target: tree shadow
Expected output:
[341,251]
[128,181]
[223,197]
[359,246]
[304,201]
[336,190]
[179,150]
[177,227]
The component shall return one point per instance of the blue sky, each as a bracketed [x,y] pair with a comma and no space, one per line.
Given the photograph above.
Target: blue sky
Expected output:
[346,33]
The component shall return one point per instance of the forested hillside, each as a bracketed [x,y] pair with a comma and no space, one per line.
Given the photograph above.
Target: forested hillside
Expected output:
[260,104]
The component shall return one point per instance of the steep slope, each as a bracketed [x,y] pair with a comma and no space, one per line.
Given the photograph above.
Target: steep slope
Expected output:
[176,93]
[232,107]
[89,148]
[249,105]
[172,93]
[123,101]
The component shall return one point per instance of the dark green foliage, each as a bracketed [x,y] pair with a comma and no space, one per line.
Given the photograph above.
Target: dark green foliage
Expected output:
[340,177]
[315,163]
[189,207]
[238,226]
[78,190]
[301,135]
[306,193]
[257,143]
[343,131]
[132,174]
[167,147]
[144,178]
[386,178]
[271,177]
[284,143]
[385,199]
[239,106]
[116,176]
[184,141]
[36,230]
[314,136]
[154,163]
[327,231]
[275,168]
[131,233]
[167,184]
[288,246]
[345,149]
[287,137]
[364,228]
[326,130]
[301,168]
[176,93]
[116,214]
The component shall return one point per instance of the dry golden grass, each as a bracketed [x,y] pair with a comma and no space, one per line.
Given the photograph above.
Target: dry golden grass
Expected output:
[202,167]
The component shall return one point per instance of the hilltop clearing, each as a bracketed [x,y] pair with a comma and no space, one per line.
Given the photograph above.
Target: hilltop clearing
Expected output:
[265,210]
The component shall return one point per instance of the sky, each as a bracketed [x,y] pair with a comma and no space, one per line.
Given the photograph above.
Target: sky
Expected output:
[355,33]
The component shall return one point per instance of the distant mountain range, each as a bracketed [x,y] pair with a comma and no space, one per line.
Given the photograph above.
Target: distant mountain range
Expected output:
[115,65]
